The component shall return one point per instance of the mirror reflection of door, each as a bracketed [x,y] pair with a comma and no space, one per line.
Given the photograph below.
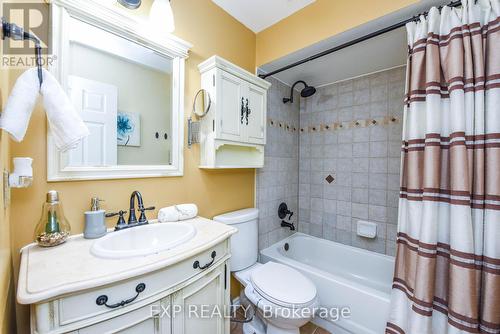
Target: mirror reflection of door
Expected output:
[97,103]
[122,90]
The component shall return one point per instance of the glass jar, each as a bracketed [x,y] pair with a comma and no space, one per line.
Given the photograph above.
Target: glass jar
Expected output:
[53,229]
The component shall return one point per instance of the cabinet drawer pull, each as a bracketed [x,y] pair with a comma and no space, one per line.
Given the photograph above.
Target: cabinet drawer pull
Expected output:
[248,111]
[103,299]
[242,115]
[196,264]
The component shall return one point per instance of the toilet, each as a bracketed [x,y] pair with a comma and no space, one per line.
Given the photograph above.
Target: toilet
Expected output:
[283,298]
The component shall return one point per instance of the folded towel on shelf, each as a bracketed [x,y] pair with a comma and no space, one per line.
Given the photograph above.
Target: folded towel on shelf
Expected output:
[177,212]
[67,127]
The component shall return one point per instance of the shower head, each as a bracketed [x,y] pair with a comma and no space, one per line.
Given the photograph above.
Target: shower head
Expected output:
[305,92]
[308,91]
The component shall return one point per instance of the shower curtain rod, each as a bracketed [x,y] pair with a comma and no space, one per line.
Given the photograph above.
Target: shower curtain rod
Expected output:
[354,41]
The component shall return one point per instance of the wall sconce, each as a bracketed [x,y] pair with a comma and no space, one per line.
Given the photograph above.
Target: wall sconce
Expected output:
[21,177]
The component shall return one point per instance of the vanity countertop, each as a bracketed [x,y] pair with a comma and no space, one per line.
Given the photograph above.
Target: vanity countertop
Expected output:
[46,273]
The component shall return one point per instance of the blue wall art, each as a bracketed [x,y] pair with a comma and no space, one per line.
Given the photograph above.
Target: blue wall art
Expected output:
[128,129]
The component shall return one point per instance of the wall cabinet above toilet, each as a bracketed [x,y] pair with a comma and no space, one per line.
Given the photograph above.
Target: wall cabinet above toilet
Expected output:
[233,133]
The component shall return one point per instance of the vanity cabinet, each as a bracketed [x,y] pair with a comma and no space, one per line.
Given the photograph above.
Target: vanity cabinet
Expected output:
[179,299]
[208,290]
[233,132]
[140,321]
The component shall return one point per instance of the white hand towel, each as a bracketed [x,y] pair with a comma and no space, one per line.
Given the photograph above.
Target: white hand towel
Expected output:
[19,106]
[67,127]
[177,212]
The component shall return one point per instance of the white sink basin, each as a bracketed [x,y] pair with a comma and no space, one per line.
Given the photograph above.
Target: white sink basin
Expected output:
[142,240]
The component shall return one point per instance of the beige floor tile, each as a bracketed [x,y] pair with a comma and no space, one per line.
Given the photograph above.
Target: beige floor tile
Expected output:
[322,331]
[308,328]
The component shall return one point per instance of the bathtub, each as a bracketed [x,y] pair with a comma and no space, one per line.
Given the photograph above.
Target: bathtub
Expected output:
[344,276]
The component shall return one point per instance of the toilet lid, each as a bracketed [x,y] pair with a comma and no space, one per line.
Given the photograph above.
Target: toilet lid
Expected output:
[283,285]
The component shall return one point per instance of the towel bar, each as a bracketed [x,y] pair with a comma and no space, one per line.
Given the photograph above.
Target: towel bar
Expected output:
[11,30]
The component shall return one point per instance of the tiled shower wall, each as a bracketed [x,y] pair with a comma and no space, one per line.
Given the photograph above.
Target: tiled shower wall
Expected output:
[278,181]
[363,159]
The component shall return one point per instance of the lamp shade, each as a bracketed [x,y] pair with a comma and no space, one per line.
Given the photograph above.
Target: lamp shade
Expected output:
[161,16]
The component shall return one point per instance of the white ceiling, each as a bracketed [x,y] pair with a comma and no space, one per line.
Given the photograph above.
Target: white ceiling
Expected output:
[385,51]
[376,54]
[258,15]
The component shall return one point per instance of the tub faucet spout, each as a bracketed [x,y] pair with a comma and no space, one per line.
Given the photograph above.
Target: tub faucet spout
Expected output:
[289,225]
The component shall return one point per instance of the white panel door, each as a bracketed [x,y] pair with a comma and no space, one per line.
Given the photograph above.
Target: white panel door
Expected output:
[229,104]
[199,303]
[255,121]
[97,103]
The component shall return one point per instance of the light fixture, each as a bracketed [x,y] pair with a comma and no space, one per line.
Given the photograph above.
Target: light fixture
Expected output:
[130,4]
[161,16]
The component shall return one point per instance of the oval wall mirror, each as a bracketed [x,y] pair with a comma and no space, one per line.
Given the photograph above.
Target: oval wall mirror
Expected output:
[202,103]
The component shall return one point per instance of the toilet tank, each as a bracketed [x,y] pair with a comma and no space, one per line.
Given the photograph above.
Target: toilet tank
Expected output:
[244,244]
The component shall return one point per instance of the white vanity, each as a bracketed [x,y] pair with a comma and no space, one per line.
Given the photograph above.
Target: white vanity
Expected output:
[181,290]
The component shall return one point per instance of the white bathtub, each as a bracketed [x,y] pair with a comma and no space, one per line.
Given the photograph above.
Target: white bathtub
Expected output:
[344,276]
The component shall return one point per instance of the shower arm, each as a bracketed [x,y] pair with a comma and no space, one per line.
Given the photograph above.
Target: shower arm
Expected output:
[290,99]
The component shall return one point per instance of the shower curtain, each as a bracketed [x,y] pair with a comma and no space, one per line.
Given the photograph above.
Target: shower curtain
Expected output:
[447,273]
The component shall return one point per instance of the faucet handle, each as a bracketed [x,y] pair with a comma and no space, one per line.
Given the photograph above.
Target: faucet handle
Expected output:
[142,218]
[283,211]
[121,220]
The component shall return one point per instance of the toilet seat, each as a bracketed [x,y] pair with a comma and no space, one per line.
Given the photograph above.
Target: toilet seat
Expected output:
[283,286]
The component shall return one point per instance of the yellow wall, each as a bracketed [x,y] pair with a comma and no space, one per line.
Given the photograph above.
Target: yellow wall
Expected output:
[7,322]
[318,21]
[6,274]
[211,31]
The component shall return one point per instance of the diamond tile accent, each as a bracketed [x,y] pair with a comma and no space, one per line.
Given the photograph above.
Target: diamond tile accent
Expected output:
[329,179]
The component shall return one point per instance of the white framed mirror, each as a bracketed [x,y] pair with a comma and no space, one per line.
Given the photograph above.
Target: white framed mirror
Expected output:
[127,83]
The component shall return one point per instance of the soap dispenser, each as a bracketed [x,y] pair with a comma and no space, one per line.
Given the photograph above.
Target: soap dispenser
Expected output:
[95,222]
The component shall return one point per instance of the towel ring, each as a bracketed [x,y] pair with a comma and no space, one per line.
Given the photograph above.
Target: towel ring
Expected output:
[206,106]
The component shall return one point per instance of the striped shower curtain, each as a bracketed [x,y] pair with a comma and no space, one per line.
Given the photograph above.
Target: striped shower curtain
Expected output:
[447,273]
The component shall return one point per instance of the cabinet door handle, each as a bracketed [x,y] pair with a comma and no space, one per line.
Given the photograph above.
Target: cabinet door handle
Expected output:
[196,264]
[242,110]
[103,299]
[248,111]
